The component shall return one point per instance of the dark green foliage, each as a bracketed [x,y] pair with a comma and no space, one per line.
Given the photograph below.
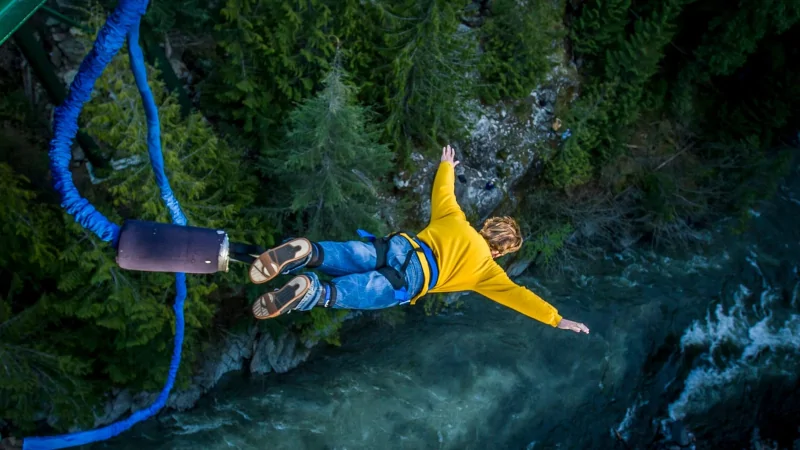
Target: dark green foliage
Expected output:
[601,25]
[35,369]
[734,35]
[429,80]
[547,243]
[410,60]
[331,163]
[618,97]
[273,54]
[73,323]
[681,117]
[190,16]
[360,34]
[320,325]
[517,40]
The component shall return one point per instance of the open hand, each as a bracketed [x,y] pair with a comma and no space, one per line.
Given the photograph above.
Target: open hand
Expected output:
[573,326]
[449,155]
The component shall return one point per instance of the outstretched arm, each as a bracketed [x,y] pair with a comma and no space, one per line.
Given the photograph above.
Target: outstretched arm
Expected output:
[498,287]
[443,196]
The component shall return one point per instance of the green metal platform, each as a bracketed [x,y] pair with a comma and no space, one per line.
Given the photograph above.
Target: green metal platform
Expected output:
[14,13]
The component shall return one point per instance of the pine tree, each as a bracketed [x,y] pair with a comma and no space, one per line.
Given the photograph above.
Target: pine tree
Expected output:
[625,64]
[731,38]
[36,369]
[361,39]
[636,61]
[273,53]
[74,325]
[430,79]
[517,40]
[600,26]
[331,162]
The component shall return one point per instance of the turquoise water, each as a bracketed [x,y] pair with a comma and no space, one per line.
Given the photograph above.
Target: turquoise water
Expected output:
[708,338]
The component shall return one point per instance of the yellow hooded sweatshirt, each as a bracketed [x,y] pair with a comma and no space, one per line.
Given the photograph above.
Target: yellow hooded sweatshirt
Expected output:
[464,260]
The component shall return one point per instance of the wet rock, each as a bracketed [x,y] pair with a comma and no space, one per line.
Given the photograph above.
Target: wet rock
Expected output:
[519,266]
[227,355]
[281,354]
[120,404]
[501,148]
[453,297]
[68,76]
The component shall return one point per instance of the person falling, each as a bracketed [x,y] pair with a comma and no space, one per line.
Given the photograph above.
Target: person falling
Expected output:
[447,256]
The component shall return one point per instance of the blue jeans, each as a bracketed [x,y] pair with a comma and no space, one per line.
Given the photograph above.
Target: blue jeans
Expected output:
[358,285]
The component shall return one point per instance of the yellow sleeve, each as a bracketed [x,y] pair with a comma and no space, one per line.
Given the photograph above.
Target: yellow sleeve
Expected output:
[497,286]
[443,197]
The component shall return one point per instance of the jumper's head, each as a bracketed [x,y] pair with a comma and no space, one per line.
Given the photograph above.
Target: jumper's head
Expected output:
[502,234]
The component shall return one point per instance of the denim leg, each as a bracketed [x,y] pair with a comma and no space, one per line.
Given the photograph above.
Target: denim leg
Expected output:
[344,258]
[369,290]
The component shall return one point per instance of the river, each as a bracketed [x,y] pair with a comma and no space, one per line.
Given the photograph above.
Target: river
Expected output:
[706,338]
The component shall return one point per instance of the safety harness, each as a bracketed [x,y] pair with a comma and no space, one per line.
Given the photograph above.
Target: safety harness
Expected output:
[396,277]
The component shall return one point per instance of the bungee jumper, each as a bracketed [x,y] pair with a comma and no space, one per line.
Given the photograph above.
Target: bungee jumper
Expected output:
[449,255]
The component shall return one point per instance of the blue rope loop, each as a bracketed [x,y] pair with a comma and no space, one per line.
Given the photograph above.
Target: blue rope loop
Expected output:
[123,21]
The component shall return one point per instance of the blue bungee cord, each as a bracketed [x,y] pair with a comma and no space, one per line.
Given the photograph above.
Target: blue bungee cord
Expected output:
[124,21]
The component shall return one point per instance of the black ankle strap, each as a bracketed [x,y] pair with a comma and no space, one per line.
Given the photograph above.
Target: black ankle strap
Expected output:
[328,300]
[317,256]
[327,296]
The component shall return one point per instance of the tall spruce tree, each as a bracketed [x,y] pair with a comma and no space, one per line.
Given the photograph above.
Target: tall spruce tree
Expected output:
[431,77]
[331,162]
[273,53]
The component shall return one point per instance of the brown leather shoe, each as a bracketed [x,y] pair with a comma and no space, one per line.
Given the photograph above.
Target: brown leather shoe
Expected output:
[276,260]
[283,300]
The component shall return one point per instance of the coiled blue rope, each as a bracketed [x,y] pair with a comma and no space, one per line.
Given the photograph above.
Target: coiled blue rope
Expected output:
[124,21]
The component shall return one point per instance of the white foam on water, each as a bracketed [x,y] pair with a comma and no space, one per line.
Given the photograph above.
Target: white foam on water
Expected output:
[704,386]
[753,260]
[188,424]
[232,408]
[757,339]
[723,326]
[623,428]
[762,337]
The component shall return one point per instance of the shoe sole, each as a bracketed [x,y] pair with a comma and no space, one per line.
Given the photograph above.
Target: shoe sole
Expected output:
[274,261]
[273,304]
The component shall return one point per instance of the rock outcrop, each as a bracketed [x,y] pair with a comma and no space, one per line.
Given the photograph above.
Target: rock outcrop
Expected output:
[501,148]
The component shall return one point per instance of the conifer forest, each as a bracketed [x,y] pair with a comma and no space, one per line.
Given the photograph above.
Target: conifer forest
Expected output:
[599,124]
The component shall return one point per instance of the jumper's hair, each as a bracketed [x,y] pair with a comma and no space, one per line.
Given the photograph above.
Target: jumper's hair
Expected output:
[502,234]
